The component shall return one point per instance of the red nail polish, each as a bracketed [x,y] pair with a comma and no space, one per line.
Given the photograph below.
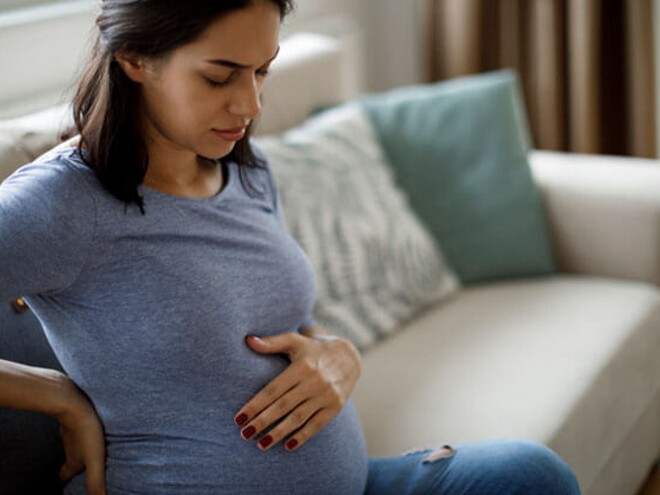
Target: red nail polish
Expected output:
[266,441]
[248,432]
[240,420]
[291,444]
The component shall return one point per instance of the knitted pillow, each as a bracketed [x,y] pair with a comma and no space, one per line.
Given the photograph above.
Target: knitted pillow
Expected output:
[376,266]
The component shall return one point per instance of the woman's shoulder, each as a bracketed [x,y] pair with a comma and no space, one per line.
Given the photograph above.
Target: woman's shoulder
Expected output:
[58,175]
[58,162]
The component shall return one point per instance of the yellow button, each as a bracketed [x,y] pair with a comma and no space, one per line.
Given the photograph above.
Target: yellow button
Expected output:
[19,305]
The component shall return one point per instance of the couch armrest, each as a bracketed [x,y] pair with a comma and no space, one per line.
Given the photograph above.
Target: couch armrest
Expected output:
[604,213]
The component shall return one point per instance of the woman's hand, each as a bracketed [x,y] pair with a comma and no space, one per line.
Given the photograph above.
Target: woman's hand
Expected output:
[83,439]
[308,394]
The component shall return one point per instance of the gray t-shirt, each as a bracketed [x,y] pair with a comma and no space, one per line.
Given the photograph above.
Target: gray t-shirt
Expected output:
[148,314]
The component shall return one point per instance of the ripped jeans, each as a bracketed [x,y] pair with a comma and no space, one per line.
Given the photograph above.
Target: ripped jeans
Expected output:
[495,467]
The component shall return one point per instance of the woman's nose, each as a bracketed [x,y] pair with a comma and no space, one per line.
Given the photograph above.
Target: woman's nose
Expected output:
[246,100]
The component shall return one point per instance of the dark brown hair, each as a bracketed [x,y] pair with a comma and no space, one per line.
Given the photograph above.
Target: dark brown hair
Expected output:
[105,106]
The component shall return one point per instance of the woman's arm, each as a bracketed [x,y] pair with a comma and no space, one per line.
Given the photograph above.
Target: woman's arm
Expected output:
[47,219]
[51,392]
[33,389]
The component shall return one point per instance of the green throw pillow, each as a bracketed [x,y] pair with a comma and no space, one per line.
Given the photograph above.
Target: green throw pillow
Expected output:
[459,149]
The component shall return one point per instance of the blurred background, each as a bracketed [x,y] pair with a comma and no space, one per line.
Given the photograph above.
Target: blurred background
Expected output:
[588,68]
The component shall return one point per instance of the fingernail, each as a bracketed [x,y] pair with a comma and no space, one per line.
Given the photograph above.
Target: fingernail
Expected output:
[291,444]
[240,420]
[254,337]
[248,432]
[266,441]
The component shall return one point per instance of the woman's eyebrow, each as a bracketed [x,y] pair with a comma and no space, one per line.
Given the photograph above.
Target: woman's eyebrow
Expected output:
[236,65]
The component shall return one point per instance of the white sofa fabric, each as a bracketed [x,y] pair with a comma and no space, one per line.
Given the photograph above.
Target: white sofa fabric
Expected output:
[569,361]
[604,212]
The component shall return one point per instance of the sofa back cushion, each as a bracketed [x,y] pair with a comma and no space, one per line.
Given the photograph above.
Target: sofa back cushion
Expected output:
[22,139]
[375,264]
[30,445]
[459,149]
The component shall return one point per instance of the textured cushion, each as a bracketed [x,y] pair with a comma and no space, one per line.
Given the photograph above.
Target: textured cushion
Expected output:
[568,361]
[376,266]
[30,446]
[22,139]
[459,149]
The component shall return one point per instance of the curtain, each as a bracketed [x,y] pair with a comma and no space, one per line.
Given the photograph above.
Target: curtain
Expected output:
[586,66]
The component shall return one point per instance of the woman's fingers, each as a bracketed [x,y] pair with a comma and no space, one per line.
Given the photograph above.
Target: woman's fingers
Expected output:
[287,405]
[296,407]
[293,421]
[302,423]
[311,428]
[271,393]
[84,447]
[304,397]
[69,470]
[96,477]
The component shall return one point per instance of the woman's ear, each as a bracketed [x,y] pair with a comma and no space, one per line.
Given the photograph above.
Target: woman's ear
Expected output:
[132,65]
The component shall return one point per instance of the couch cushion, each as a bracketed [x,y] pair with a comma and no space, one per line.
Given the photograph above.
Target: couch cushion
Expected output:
[375,264]
[571,362]
[22,139]
[459,149]
[30,446]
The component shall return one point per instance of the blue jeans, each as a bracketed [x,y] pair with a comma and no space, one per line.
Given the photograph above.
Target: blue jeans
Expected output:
[495,467]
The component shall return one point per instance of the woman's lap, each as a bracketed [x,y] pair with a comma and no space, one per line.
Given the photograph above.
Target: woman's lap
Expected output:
[496,467]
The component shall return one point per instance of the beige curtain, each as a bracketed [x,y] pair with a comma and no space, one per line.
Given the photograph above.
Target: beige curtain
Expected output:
[586,66]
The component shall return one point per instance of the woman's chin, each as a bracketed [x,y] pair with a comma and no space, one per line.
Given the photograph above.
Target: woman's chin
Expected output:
[217,152]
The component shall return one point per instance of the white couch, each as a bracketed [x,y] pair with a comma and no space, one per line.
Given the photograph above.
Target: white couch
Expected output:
[570,360]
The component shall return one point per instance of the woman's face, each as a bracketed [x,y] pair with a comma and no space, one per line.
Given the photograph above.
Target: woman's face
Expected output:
[203,95]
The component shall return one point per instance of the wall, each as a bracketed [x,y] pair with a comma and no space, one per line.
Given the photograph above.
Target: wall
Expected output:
[40,51]
[388,34]
[383,36]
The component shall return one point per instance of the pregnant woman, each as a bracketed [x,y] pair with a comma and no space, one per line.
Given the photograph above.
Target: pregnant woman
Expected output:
[153,249]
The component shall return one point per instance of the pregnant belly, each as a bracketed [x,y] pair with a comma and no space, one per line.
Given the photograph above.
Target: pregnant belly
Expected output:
[185,442]
[332,462]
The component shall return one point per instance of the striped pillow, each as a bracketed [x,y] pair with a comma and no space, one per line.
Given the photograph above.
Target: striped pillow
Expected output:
[375,264]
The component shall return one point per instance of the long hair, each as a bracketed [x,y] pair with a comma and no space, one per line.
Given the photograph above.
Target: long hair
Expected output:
[105,103]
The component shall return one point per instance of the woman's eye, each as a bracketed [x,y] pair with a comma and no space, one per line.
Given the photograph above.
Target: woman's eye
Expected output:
[218,84]
[215,84]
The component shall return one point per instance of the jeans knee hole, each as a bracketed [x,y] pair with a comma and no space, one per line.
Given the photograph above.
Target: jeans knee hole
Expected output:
[418,450]
[443,452]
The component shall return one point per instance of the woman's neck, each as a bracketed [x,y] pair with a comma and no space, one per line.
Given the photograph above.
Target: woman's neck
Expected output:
[203,179]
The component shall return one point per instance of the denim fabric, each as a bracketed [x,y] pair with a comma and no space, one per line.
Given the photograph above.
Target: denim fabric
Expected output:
[495,467]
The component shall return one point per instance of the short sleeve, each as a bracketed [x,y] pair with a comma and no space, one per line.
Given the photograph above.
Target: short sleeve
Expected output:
[278,208]
[47,218]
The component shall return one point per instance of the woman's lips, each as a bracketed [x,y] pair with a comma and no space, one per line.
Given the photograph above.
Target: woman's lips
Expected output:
[235,134]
